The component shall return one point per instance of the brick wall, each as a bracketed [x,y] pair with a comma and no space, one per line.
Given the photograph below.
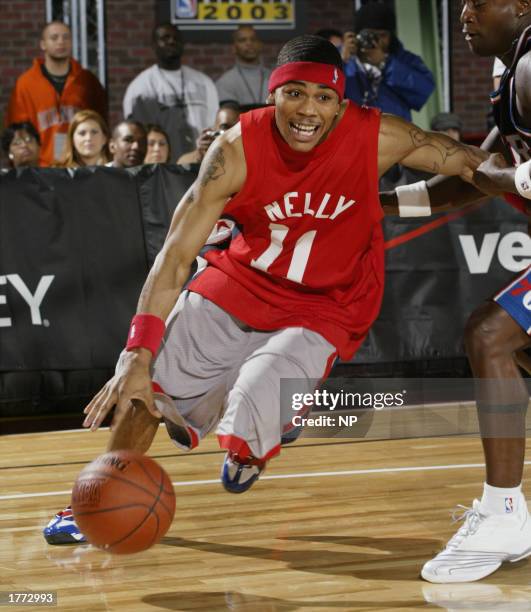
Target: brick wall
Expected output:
[471,80]
[129,46]
[20,26]
[129,25]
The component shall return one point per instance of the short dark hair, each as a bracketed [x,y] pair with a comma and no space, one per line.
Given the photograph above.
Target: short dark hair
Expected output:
[139,125]
[158,129]
[54,22]
[243,26]
[232,104]
[310,48]
[164,24]
[328,33]
[10,131]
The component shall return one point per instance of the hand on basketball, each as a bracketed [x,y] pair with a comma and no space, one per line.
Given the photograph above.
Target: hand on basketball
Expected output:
[131,383]
[494,175]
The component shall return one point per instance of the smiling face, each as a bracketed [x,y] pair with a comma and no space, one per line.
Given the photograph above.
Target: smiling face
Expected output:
[305,113]
[89,141]
[490,26]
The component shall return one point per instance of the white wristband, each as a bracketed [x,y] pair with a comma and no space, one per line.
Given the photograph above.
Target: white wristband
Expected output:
[522,180]
[413,200]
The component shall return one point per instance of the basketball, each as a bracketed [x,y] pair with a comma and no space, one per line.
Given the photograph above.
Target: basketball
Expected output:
[123,502]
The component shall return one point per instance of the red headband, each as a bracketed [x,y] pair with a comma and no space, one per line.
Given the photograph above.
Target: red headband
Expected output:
[324,74]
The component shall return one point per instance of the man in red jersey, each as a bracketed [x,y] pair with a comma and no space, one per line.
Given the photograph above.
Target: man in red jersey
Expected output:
[301,283]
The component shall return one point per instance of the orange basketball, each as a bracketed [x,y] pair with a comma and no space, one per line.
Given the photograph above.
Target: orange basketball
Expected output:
[123,502]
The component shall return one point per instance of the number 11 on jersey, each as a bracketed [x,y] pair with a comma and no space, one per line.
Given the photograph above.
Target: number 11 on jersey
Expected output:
[299,258]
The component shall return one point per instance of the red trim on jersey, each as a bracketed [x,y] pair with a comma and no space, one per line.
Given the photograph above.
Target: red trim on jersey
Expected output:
[157,388]
[327,196]
[194,438]
[239,447]
[329,365]
[516,201]
[323,74]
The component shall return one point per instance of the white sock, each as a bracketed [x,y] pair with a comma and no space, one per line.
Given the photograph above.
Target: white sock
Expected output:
[500,500]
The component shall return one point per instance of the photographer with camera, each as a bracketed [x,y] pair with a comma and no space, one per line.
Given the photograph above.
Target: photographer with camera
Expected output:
[227,116]
[380,72]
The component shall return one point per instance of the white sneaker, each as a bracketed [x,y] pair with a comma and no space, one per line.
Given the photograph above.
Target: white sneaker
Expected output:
[481,545]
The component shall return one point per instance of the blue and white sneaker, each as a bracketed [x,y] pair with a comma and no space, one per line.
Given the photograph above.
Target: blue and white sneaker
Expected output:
[238,477]
[62,529]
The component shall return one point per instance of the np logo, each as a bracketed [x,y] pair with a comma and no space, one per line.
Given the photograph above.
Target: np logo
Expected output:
[336,76]
[524,185]
[509,505]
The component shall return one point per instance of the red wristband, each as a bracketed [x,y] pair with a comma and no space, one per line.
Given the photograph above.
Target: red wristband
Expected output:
[146,331]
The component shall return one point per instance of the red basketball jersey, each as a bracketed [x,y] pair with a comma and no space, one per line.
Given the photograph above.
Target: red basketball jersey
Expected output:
[310,248]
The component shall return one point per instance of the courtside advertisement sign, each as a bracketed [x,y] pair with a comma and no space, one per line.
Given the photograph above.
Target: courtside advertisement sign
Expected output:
[226,14]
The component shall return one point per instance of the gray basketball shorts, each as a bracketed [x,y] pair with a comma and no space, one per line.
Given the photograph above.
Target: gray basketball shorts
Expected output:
[214,372]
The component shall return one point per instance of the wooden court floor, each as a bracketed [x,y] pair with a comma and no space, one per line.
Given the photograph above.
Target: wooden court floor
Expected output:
[333,525]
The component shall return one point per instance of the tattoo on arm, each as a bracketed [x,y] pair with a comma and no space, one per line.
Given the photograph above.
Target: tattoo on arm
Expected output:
[215,168]
[443,150]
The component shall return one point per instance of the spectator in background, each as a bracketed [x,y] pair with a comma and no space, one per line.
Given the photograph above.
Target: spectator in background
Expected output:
[381,72]
[22,144]
[246,82]
[53,90]
[227,116]
[128,144]
[87,141]
[183,101]
[158,145]
[332,35]
[449,123]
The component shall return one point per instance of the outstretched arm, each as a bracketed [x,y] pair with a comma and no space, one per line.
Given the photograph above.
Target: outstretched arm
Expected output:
[405,143]
[449,192]
[222,174]
[495,175]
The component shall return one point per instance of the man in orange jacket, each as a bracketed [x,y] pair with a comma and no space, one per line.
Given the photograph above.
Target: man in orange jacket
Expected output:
[53,90]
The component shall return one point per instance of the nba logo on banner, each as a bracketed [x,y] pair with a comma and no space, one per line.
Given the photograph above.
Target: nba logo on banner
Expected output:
[186,9]
[508,504]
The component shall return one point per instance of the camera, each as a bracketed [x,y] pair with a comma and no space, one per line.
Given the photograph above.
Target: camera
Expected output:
[367,39]
[216,133]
